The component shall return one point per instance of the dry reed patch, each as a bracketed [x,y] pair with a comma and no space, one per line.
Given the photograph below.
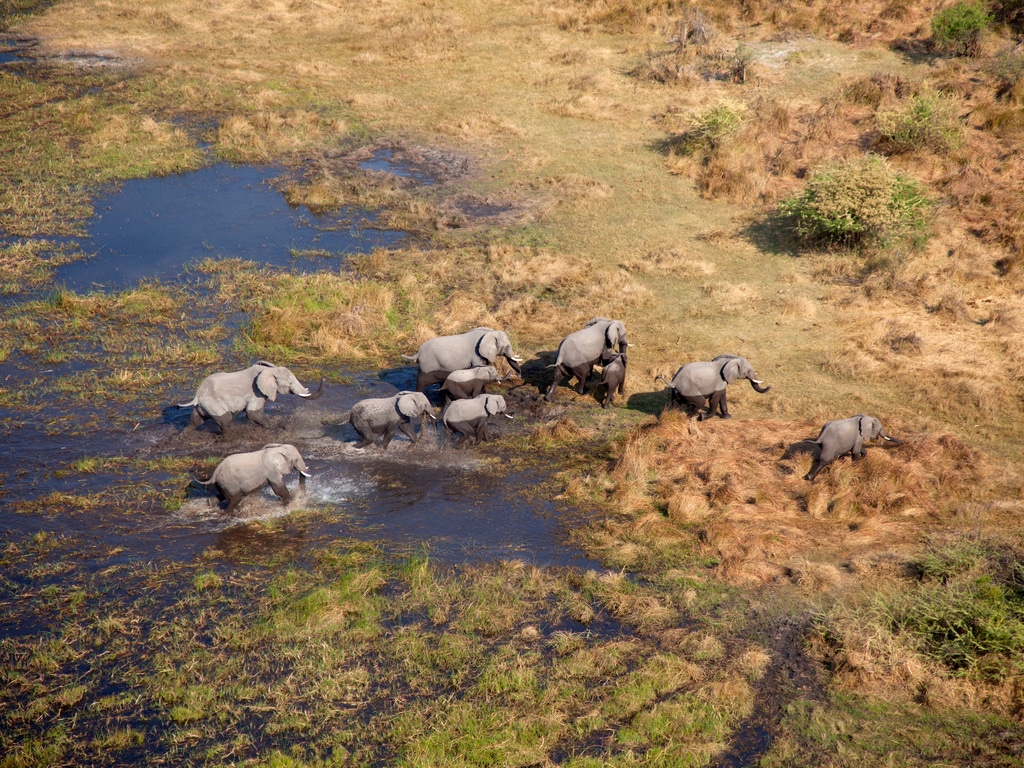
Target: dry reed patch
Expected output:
[736,489]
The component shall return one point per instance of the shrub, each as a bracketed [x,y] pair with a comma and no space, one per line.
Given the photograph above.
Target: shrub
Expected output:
[957,29]
[927,120]
[710,127]
[860,201]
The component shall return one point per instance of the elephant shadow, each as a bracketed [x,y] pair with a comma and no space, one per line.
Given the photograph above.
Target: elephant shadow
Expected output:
[802,448]
[176,416]
[651,403]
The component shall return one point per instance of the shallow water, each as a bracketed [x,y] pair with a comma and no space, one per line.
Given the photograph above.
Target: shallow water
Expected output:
[156,227]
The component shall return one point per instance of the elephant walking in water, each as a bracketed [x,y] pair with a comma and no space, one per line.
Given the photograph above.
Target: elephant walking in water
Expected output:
[377,416]
[703,383]
[440,356]
[470,382]
[468,418]
[843,436]
[223,395]
[242,473]
[581,350]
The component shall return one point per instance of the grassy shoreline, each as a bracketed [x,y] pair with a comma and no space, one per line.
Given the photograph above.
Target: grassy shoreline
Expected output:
[591,134]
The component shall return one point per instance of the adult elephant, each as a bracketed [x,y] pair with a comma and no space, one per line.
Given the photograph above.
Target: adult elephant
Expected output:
[376,416]
[223,395]
[242,473]
[468,418]
[842,436]
[703,383]
[440,356]
[582,349]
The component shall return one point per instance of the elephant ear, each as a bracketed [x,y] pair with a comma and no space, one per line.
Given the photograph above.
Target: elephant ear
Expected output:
[615,335]
[277,461]
[487,347]
[494,404]
[731,370]
[870,427]
[408,406]
[266,383]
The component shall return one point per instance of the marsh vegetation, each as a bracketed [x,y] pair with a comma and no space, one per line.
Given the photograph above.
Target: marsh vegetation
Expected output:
[831,190]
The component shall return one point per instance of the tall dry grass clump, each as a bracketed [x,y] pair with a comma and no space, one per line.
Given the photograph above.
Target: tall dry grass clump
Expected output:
[736,489]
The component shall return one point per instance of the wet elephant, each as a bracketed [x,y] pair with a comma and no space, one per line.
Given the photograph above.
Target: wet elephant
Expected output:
[243,473]
[223,395]
[438,357]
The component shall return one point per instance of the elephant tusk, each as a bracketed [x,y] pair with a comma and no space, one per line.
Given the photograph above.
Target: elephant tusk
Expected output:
[308,394]
[518,359]
[507,416]
[432,416]
[304,474]
[758,381]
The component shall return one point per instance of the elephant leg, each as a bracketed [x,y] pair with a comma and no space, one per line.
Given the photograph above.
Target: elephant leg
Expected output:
[717,403]
[582,374]
[693,404]
[368,438]
[233,500]
[196,419]
[224,421]
[481,432]
[282,491]
[559,373]
[388,434]
[815,469]
[257,416]
[408,430]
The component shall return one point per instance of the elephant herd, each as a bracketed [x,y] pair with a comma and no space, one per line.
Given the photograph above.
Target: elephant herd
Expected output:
[463,365]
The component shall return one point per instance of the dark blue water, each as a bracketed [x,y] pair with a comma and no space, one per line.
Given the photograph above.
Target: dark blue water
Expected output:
[156,227]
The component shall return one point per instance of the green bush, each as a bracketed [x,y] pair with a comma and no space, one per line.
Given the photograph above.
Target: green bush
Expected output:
[957,29]
[710,127]
[928,120]
[862,201]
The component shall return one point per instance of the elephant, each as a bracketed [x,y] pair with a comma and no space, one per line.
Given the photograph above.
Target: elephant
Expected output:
[580,351]
[222,395]
[843,436]
[242,473]
[440,356]
[613,376]
[386,415]
[470,382]
[701,384]
[469,417]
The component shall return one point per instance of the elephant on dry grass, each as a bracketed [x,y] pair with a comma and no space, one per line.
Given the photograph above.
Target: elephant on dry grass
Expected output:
[613,376]
[846,436]
[701,385]
[223,395]
[581,350]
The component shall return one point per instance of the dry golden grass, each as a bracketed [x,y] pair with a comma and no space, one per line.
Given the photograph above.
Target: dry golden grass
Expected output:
[737,487]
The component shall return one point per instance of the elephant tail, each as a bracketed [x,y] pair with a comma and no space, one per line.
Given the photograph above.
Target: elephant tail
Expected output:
[195,478]
[414,358]
[193,402]
[345,418]
[659,377]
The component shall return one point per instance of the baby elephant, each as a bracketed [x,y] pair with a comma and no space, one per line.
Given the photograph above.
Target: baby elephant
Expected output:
[242,473]
[469,417]
[843,436]
[614,377]
[387,415]
[222,395]
[469,382]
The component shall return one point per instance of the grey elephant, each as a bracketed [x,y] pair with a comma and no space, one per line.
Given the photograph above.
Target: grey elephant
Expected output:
[582,349]
[842,436]
[440,356]
[468,418]
[242,473]
[613,376]
[470,382]
[377,416]
[701,384]
[222,395]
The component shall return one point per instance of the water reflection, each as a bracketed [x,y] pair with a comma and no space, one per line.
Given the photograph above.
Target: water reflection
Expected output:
[156,227]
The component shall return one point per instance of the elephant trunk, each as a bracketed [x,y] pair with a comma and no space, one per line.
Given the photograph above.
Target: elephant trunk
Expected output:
[316,395]
[756,384]
[514,362]
[890,439]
